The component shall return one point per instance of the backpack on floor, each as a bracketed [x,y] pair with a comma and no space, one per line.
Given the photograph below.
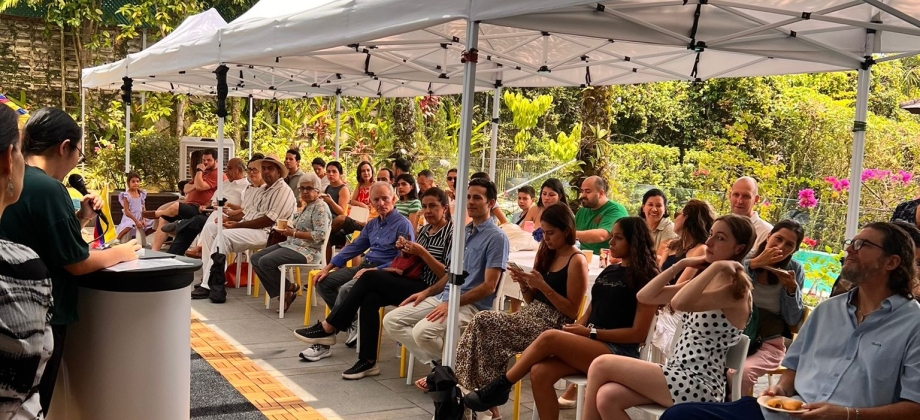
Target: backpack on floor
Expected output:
[216,280]
[443,389]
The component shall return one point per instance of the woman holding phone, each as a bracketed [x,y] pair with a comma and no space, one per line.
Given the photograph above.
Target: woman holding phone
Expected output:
[553,290]
[777,283]
[716,306]
[613,323]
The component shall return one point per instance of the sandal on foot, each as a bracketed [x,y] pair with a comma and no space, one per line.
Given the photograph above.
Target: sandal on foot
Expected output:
[289,295]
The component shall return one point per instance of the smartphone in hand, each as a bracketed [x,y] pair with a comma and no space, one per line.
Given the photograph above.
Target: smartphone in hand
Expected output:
[514,267]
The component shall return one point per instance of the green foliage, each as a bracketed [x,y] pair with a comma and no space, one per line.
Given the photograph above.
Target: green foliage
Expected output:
[158,170]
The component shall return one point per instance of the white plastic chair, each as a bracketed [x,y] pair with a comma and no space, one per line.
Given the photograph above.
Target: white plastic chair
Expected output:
[581,381]
[310,293]
[734,360]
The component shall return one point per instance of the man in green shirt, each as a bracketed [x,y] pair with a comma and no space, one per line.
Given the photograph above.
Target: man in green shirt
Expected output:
[597,214]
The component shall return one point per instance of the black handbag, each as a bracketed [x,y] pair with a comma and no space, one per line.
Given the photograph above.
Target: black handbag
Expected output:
[216,281]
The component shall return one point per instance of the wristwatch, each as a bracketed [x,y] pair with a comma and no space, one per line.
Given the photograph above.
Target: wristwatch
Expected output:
[593,334]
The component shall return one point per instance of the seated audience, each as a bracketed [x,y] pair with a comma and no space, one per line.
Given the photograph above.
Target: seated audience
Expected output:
[743,197]
[133,204]
[425,180]
[858,354]
[777,291]
[451,185]
[613,323]
[344,225]
[553,290]
[408,204]
[842,285]
[654,211]
[419,321]
[497,212]
[597,214]
[241,193]
[525,196]
[306,232]
[319,168]
[198,194]
[277,202]
[292,163]
[336,195]
[379,239]
[716,306]
[427,261]
[26,339]
[551,192]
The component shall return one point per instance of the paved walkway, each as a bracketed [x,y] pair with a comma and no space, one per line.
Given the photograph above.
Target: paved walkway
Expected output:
[250,330]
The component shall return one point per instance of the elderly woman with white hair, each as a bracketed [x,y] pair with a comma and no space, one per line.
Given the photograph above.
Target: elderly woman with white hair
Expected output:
[306,233]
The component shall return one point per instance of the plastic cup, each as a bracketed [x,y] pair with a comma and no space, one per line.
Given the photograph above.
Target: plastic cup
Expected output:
[282,224]
[589,254]
[604,257]
[528,226]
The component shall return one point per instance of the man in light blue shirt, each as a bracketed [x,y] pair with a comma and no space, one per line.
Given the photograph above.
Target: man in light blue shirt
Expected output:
[419,322]
[858,355]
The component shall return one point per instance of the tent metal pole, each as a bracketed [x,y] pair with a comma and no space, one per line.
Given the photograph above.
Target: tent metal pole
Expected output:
[250,126]
[127,137]
[859,151]
[222,90]
[338,123]
[493,147]
[463,175]
[864,77]
[83,128]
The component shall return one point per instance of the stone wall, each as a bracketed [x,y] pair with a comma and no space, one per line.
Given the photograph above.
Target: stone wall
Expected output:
[31,57]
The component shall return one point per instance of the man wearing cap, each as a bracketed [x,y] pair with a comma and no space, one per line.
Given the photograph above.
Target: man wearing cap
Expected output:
[277,202]
[319,166]
[292,163]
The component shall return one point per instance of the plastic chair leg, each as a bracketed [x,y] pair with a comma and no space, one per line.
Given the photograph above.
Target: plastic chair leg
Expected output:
[402,361]
[297,281]
[580,402]
[516,411]
[410,367]
[238,269]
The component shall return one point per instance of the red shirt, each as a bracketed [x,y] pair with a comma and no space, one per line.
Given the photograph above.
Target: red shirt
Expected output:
[203,197]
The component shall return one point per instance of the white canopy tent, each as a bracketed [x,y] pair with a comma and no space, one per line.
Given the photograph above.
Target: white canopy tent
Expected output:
[547,43]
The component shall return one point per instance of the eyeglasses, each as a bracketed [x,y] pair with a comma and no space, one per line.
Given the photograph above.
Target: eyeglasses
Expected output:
[306,189]
[451,178]
[857,244]
[82,156]
[253,169]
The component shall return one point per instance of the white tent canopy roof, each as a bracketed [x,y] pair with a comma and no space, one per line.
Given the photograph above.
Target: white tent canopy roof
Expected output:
[401,48]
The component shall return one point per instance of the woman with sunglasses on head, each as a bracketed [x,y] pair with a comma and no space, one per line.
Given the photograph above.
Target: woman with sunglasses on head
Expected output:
[716,306]
[44,220]
[777,283]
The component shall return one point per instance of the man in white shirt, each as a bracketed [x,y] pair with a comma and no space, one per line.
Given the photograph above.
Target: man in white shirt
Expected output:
[276,202]
[743,197]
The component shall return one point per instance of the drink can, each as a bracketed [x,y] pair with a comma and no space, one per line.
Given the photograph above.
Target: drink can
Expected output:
[605,255]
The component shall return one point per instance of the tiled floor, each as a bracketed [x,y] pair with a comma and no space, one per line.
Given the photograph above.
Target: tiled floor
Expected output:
[259,351]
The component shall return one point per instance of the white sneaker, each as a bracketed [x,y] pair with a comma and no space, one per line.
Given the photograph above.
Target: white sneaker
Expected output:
[316,353]
[352,339]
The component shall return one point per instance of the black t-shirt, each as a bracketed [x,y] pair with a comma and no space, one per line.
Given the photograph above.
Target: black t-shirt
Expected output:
[44,220]
[613,303]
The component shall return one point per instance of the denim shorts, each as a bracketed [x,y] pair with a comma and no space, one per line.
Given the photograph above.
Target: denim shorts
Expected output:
[628,350]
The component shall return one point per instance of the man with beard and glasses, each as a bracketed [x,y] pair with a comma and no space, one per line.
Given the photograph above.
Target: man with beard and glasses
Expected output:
[597,214]
[842,285]
[858,354]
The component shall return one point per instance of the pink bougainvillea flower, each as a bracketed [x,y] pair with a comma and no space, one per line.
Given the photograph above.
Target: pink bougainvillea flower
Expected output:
[807,198]
[903,176]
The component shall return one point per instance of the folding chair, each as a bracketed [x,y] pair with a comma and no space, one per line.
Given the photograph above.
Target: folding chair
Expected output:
[296,268]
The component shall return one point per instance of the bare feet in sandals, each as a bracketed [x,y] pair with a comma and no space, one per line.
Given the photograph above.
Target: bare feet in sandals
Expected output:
[422,384]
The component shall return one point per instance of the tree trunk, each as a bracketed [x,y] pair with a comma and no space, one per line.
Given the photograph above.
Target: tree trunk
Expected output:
[595,109]
[403,127]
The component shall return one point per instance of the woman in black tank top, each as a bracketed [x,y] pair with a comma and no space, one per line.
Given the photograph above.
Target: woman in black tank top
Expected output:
[613,323]
[553,291]
[336,195]
[692,224]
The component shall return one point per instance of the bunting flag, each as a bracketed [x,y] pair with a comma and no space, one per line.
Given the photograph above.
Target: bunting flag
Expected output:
[23,114]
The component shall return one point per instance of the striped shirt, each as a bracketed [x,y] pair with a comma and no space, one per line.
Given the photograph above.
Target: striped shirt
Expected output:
[276,202]
[26,341]
[407,207]
[438,245]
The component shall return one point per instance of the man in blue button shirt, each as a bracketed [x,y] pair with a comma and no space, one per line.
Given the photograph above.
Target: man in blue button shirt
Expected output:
[379,235]
[858,355]
[419,321]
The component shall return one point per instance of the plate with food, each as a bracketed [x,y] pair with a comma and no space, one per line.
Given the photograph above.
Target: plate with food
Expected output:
[782,404]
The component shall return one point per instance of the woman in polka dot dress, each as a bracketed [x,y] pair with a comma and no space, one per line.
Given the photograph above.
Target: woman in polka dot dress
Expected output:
[717,305]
